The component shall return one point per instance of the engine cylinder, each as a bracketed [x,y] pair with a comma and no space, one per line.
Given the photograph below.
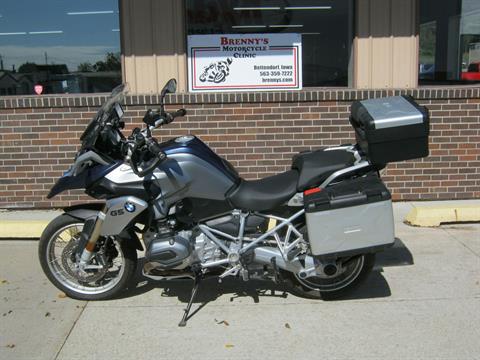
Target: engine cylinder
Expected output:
[169,251]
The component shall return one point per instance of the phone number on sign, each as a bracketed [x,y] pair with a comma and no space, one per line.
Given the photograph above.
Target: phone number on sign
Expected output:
[276,73]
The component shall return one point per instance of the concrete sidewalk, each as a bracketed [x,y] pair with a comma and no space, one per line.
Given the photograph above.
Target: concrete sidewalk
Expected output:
[421,301]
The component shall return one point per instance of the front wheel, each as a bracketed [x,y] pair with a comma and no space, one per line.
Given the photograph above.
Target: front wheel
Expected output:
[352,272]
[112,266]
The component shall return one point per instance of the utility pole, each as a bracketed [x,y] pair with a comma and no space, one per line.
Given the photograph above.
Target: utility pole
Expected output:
[46,58]
[1,62]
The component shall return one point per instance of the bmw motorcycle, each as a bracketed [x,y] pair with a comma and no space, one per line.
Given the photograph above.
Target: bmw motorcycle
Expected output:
[314,228]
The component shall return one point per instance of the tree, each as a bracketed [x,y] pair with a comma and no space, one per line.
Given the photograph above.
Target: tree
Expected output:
[111,63]
[85,67]
[27,67]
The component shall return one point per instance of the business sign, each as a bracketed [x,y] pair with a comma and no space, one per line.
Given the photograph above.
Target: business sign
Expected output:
[239,62]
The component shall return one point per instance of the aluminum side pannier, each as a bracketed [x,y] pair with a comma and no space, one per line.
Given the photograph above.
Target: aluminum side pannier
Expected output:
[351,217]
[391,129]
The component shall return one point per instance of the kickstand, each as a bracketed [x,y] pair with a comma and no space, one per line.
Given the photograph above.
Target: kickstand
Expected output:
[196,283]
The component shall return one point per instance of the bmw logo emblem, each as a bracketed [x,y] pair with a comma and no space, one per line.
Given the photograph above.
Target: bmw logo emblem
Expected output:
[129,207]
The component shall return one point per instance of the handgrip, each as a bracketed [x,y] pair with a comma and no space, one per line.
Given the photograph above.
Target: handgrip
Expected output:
[171,116]
[160,156]
[180,112]
[151,117]
[155,149]
[150,167]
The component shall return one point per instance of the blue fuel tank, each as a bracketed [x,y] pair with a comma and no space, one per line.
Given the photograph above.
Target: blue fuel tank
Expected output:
[192,171]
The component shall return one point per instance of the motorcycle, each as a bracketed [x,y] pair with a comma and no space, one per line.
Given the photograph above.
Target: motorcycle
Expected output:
[314,228]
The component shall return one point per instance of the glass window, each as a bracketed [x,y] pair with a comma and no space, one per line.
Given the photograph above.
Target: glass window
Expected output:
[449,41]
[326,27]
[58,46]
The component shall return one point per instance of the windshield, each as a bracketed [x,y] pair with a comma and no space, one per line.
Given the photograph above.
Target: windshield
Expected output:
[117,96]
[90,134]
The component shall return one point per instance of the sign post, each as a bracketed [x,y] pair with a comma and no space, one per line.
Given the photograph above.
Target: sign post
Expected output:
[244,62]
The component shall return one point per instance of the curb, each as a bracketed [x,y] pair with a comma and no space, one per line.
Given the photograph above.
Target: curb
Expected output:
[22,229]
[432,216]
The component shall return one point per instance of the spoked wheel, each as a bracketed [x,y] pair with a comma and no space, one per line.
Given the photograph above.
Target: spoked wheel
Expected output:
[108,273]
[350,273]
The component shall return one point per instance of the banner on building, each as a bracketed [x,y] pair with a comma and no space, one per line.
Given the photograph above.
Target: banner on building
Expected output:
[240,62]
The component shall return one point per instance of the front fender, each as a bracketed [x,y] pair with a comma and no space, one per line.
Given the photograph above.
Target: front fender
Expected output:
[84,211]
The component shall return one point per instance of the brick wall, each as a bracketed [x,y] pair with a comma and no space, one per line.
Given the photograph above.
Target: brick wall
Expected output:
[257,132]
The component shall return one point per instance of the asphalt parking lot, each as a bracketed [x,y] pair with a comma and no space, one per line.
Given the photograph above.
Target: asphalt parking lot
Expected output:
[422,301]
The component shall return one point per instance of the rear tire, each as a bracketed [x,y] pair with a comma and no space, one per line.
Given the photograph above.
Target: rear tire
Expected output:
[63,277]
[299,288]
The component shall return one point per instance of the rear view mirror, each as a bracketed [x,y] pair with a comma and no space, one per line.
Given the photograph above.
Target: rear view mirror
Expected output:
[170,87]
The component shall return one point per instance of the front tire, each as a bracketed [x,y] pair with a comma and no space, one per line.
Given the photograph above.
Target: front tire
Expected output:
[56,253]
[335,287]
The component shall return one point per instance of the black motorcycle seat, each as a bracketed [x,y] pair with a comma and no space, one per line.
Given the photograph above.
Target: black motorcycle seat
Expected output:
[315,167]
[266,193]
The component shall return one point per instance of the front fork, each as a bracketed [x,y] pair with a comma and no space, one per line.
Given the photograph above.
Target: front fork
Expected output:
[89,237]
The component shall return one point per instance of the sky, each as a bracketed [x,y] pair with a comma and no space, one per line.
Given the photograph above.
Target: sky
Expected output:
[69,31]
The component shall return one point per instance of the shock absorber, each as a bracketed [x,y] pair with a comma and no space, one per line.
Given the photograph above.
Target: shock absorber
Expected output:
[91,235]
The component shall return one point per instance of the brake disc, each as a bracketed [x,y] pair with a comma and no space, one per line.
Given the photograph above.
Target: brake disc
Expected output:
[71,268]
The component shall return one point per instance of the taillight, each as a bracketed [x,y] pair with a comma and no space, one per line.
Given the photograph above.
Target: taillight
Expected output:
[312,191]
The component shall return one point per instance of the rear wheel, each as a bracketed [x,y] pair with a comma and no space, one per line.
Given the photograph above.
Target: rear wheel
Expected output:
[112,265]
[350,273]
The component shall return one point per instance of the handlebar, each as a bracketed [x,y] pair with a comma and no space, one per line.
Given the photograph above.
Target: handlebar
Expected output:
[141,142]
[173,115]
[153,148]
[156,118]
[149,168]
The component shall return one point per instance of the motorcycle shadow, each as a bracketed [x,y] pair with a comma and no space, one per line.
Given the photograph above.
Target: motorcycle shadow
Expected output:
[397,255]
[210,289]
[375,286]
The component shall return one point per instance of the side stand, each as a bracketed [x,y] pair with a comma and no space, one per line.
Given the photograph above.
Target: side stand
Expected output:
[196,283]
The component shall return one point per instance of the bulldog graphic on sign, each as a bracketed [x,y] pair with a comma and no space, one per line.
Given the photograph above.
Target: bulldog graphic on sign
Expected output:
[216,72]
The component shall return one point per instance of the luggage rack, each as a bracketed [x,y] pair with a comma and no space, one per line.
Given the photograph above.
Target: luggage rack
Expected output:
[350,148]
[362,164]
